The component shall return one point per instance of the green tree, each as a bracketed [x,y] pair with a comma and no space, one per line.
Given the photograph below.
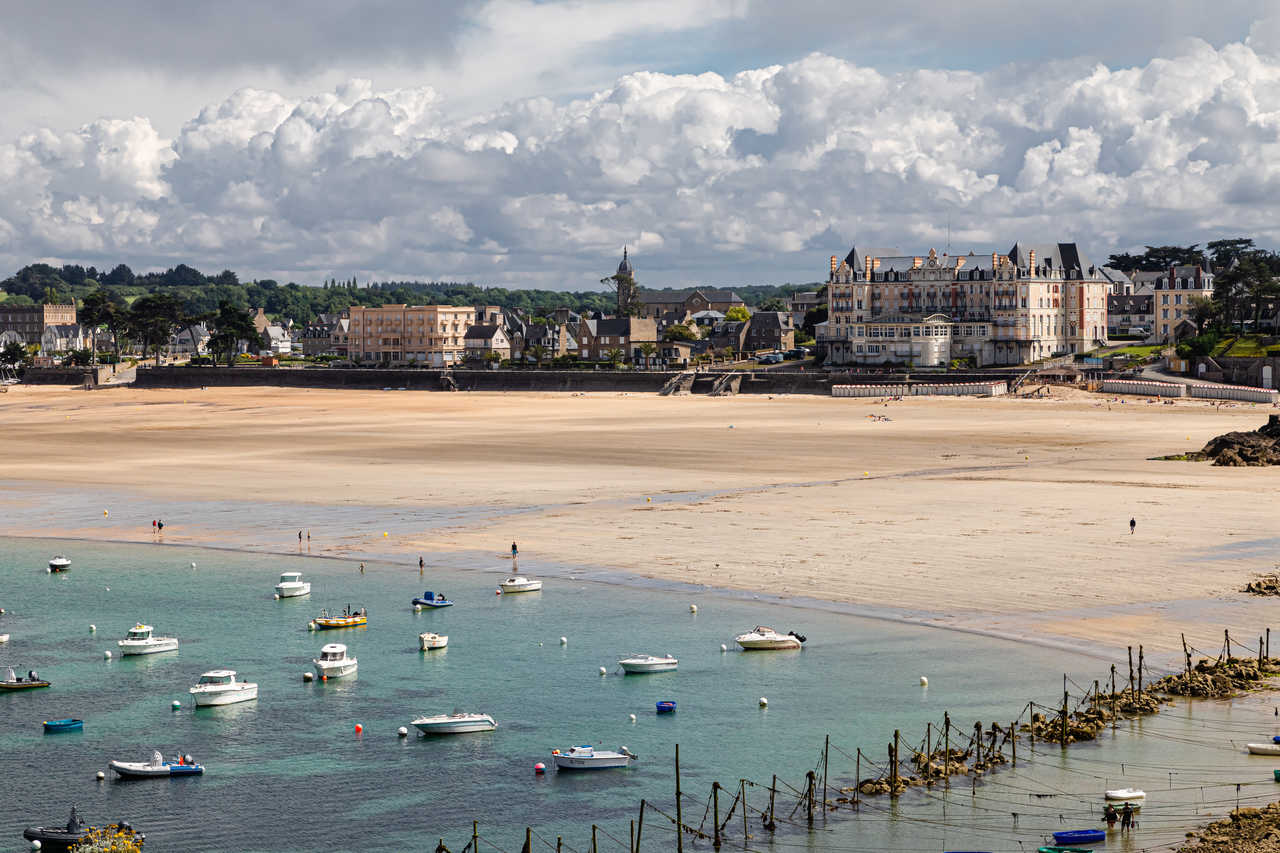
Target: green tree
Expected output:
[95,311]
[1223,252]
[14,355]
[679,332]
[1204,311]
[773,303]
[152,320]
[538,351]
[231,326]
[614,356]
[188,320]
[648,350]
[78,358]
[737,314]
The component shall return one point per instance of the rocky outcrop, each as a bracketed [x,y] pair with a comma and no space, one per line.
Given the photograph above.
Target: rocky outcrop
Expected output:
[1248,830]
[1264,585]
[1218,680]
[1244,449]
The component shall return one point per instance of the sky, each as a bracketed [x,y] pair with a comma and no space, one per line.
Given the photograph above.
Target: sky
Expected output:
[726,142]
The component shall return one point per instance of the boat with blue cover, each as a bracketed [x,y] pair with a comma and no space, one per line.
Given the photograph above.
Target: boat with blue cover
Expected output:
[666,706]
[432,599]
[1079,836]
[1053,848]
[68,725]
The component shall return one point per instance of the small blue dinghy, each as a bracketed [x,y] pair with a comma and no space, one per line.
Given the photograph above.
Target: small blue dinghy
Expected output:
[1079,836]
[54,726]
[432,599]
[667,706]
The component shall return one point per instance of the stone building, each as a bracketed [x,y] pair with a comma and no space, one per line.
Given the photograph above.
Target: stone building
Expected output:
[29,322]
[431,335]
[1032,303]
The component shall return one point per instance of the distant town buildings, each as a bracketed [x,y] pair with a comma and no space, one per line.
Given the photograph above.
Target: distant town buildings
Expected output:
[926,310]
[28,324]
[434,335]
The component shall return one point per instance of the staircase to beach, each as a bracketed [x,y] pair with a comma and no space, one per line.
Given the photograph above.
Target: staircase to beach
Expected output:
[681,383]
[727,385]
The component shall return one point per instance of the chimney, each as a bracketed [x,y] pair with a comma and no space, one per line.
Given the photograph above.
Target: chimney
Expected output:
[916,263]
[835,262]
[866,267]
[875,263]
[995,261]
[1031,263]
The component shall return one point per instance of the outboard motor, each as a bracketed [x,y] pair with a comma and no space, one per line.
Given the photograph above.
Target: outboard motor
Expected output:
[800,637]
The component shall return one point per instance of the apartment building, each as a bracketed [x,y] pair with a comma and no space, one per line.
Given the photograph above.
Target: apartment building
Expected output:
[1030,303]
[431,335]
[1173,290]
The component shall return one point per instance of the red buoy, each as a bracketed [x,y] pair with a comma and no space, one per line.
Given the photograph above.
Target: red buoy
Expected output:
[359,728]
[539,768]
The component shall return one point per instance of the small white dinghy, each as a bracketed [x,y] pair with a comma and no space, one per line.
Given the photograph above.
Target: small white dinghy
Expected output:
[1264,748]
[637,664]
[1126,794]
[520,583]
[589,758]
[219,687]
[59,563]
[432,640]
[454,724]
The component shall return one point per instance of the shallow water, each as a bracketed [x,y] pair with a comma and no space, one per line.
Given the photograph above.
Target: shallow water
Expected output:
[287,772]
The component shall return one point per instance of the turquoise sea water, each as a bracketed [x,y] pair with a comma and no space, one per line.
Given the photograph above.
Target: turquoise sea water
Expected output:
[289,773]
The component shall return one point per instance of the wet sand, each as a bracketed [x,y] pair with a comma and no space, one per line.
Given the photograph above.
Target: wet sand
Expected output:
[1007,516]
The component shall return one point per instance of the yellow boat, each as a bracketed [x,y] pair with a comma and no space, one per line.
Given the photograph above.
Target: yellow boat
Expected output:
[349,619]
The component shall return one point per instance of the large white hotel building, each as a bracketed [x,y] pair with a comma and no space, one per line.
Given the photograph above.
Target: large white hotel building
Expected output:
[1034,302]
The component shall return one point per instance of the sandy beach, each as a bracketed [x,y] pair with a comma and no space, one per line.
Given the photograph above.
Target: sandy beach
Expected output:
[1007,516]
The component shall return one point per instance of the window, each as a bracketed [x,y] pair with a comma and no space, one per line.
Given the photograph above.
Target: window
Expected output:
[1164,299]
[1164,313]
[1177,299]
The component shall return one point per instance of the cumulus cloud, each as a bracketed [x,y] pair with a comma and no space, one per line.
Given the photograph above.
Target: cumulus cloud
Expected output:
[756,176]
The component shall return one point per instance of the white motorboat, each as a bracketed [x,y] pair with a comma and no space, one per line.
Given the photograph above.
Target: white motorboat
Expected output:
[648,663]
[1264,748]
[59,563]
[590,758]
[157,766]
[140,642]
[453,724]
[292,585]
[1126,794]
[432,640]
[219,687]
[4,638]
[520,583]
[762,638]
[333,662]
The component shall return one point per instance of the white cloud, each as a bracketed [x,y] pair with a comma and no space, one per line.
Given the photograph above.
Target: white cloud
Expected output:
[753,177]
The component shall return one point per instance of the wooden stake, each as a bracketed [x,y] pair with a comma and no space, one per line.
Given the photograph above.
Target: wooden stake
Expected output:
[1013,740]
[593,838]
[1131,669]
[857,778]
[773,792]
[632,843]
[743,794]
[528,839]
[946,748]
[1140,662]
[640,826]
[1186,654]
[826,756]
[475,835]
[893,770]
[1065,698]
[809,793]
[715,816]
[679,812]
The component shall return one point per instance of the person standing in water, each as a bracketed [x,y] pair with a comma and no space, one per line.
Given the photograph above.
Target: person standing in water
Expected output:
[514,551]
[1126,817]
[362,568]
[421,564]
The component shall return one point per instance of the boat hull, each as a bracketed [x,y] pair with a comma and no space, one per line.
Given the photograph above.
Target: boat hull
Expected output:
[778,645]
[146,770]
[534,586]
[213,698]
[23,685]
[340,669]
[128,647]
[1128,795]
[447,726]
[332,623]
[608,761]
[1264,748]
[631,668]
[1079,836]
[426,643]
[57,726]
[291,590]
[54,840]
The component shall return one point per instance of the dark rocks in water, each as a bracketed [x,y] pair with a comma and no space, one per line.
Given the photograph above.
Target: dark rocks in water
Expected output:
[1263,585]
[1244,449]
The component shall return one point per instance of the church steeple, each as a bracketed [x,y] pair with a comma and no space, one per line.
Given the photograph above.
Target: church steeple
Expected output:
[624,282]
[625,267]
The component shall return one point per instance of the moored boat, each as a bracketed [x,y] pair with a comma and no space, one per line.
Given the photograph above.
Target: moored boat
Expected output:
[68,725]
[666,706]
[59,563]
[432,599]
[1264,748]
[431,640]
[1079,836]
[520,583]
[139,641]
[763,638]
[58,838]
[13,681]
[453,724]
[639,663]
[219,687]
[334,662]
[292,585]
[4,638]
[157,766]
[1129,795]
[348,619]
[589,758]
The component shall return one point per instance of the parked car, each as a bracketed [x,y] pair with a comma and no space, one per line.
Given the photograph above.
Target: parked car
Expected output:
[770,358]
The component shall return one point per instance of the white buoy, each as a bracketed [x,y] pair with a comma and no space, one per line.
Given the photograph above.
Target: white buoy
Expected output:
[564,641]
[107,654]
[924,682]
[275,596]
[402,732]
[723,647]
[308,676]
[176,704]
[35,845]
[92,628]
[604,671]
[633,717]
[101,775]
[764,703]
[193,565]
[693,608]
[417,608]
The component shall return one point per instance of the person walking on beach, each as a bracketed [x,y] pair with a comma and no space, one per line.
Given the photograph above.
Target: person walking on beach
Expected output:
[1110,815]
[1126,817]
[299,538]
[1133,522]
[159,526]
